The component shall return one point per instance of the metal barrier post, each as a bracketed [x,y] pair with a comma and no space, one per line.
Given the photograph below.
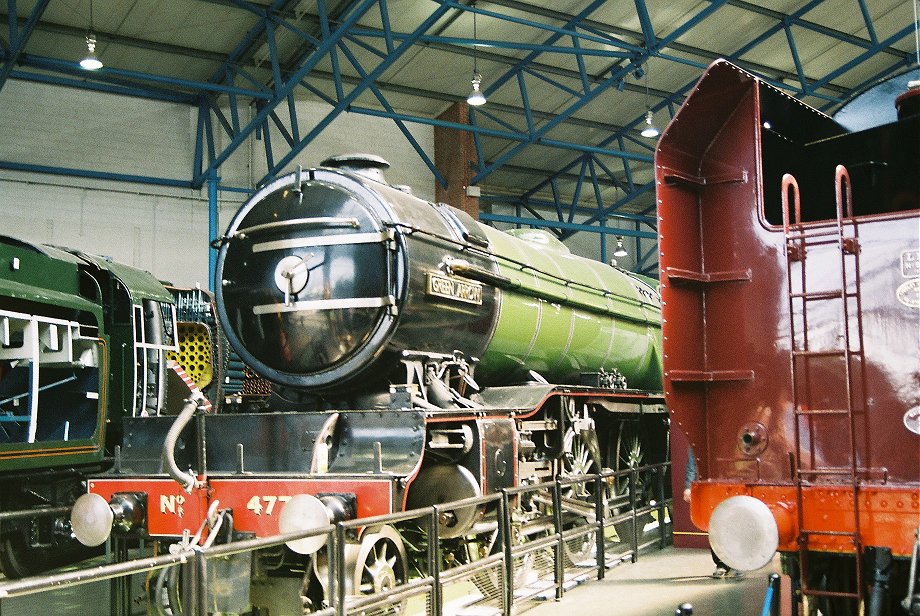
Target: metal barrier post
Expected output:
[191,587]
[434,561]
[600,496]
[504,512]
[633,480]
[559,565]
[120,587]
[201,568]
[187,588]
[771,599]
[662,535]
[338,595]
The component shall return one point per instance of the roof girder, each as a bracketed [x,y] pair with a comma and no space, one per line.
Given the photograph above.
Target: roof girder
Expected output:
[18,36]
[333,34]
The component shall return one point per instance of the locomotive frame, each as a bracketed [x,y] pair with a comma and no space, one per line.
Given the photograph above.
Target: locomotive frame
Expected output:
[548,432]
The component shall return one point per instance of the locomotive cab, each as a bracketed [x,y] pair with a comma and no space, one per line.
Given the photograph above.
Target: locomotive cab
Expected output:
[82,343]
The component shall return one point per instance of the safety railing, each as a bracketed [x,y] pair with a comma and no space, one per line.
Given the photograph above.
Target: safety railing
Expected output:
[532,541]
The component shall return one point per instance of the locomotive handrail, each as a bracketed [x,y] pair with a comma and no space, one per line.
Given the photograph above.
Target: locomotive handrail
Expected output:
[526,266]
[841,176]
[465,268]
[324,240]
[326,304]
[307,223]
[788,182]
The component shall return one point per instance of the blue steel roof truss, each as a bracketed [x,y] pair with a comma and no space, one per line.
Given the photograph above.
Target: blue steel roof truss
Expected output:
[18,36]
[359,57]
[331,43]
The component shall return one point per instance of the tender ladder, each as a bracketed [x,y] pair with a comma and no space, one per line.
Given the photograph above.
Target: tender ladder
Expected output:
[803,297]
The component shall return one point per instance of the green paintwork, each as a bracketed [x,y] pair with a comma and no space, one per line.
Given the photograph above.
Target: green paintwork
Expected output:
[565,315]
[20,290]
[139,283]
[48,277]
[49,280]
[44,275]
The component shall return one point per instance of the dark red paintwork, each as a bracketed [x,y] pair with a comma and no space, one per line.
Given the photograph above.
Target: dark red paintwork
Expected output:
[256,501]
[726,311]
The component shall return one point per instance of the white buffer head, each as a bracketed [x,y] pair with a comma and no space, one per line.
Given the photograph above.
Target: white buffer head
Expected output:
[302,513]
[91,520]
[743,533]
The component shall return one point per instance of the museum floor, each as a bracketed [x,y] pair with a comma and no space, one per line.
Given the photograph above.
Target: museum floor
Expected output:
[655,585]
[658,583]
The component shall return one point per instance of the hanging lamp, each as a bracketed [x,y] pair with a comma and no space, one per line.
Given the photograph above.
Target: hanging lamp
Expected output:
[476,97]
[91,61]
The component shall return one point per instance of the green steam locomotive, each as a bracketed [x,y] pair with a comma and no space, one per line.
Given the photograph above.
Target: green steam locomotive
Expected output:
[419,357]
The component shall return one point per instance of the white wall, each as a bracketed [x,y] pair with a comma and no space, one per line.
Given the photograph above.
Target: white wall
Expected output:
[163,230]
[165,233]
[60,126]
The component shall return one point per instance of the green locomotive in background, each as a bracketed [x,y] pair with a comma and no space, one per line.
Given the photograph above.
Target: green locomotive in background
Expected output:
[83,343]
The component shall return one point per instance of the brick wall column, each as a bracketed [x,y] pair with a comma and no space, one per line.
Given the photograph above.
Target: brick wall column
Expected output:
[455,158]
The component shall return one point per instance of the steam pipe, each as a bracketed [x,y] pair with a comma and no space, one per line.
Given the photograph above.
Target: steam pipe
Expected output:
[168,457]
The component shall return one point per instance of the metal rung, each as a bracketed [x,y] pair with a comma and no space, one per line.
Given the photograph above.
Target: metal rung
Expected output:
[829,533]
[832,353]
[861,471]
[822,295]
[804,246]
[840,470]
[829,593]
[806,235]
[822,411]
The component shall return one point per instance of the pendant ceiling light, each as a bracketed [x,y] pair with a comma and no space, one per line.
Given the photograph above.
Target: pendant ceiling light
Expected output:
[91,61]
[476,97]
[649,131]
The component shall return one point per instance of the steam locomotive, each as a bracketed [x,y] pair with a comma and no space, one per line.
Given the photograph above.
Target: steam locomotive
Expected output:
[84,341]
[417,357]
[804,416]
